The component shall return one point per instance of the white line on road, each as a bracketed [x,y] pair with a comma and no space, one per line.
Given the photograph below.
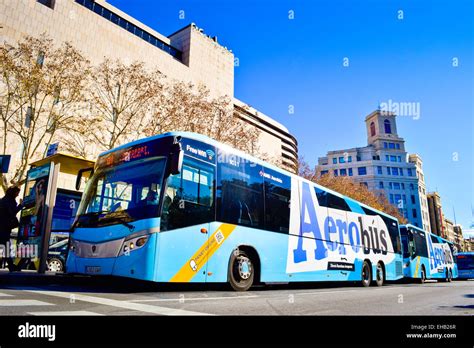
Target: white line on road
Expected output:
[75,313]
[120,304]
[15,303]
[186,299]
[2,294]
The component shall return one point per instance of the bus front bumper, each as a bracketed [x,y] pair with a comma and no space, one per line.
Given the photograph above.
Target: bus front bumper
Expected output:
[110,258]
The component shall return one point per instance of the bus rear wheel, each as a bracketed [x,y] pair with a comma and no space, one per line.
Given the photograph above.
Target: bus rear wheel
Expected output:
[241,271]
[380,275]
[366,274]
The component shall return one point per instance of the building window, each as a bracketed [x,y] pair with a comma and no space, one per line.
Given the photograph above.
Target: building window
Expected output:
[48,3]
[334,160]
[399,158]
[362,171]
[349,159]
[388,171]
[376,158]
[341,160]
[398,146]
[410,172]
[414,213]
[385,145]
[358,158]
[412,199]
[387,158]
[324,172]
[388,128]
[403,185]
[391,145]
[335,172]
[396,185]
[372,129]
[364,184]
[392,201]
[390,186]
[379,170]
[350,171]
[393,158]
[381,184]
[412,187]
[398,199]
[394,171]
[400,170]
[343,172]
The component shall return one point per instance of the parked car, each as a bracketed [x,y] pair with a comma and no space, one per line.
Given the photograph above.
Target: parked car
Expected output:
[57,256]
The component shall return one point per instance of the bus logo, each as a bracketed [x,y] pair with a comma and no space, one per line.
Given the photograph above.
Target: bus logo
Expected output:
[193,265]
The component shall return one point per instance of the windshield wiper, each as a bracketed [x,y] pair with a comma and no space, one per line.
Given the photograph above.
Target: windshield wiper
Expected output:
[88,215]
[119,218]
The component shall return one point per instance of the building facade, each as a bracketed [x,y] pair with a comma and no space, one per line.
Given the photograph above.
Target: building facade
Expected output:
[382,166]
[425,214]
[436,214]
[100,30]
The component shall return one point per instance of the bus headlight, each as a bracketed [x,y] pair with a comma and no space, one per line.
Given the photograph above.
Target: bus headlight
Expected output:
[133,243]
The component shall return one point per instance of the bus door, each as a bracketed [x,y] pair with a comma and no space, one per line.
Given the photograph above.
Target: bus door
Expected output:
[188,209]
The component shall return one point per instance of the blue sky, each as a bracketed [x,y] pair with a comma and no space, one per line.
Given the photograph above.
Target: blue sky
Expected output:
[299,62]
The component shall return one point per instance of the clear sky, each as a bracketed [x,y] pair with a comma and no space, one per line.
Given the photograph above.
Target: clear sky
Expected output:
[400,56]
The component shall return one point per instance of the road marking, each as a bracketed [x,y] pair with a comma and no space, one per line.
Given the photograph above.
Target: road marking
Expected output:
[14,303]
[186,299]
[120,304]
[2,294]
[75,313]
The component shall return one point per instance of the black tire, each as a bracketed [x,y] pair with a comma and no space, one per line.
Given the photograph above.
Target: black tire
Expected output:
[241,271]
[55,265]
[379,275]
[366,275]
[422,276]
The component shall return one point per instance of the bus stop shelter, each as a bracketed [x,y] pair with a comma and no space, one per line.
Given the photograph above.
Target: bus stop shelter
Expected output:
[50,205]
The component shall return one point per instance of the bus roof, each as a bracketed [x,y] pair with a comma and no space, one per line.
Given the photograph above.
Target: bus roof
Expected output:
[422,230]
[206,139]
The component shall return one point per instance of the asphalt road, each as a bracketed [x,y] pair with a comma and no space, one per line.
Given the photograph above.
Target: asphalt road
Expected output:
[106,296]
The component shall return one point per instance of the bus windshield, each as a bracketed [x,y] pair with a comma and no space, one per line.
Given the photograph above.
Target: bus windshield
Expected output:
[122,194]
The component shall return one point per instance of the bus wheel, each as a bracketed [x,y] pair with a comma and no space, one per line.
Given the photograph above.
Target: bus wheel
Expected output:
[380,275]
[366,274]
[241,271]
[422,276]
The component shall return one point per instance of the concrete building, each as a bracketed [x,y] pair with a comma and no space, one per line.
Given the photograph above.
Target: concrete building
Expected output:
[382,166]
[425,214]
[436,214]
[449,230]
[458,237]
[100,30]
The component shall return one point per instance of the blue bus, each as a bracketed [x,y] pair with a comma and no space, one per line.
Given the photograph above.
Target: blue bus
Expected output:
[427,256]
[465,263]
[181,207]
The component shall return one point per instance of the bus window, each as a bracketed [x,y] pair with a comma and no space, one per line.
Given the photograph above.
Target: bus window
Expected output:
[240,193]
[188,197]
[392,226]
[326,199]
[420,244]
[277,201]
[434,239]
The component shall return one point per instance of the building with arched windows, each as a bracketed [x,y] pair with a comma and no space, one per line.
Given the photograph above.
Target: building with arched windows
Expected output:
[384,167]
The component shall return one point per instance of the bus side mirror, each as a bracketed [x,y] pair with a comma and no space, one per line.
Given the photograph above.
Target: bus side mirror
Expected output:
[411,248]
[176,159]
[79,176]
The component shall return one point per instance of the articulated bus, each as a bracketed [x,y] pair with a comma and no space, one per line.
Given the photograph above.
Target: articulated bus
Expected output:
[465,262]
[427,256]
[181,207]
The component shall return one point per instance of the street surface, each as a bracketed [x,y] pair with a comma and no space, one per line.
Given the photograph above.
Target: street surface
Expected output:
[59,295]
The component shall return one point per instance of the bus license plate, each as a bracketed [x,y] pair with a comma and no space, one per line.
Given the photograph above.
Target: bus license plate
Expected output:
[92,269]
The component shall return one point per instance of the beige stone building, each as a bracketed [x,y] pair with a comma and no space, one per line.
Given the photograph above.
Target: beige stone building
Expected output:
[100,30]
[425,213]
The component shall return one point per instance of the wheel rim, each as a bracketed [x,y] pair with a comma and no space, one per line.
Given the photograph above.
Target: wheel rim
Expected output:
[242,268]
[379,273]
[55,266]
[365,273]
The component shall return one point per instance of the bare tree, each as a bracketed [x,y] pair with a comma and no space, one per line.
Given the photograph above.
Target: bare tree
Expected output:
[40,88]
[120,98]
